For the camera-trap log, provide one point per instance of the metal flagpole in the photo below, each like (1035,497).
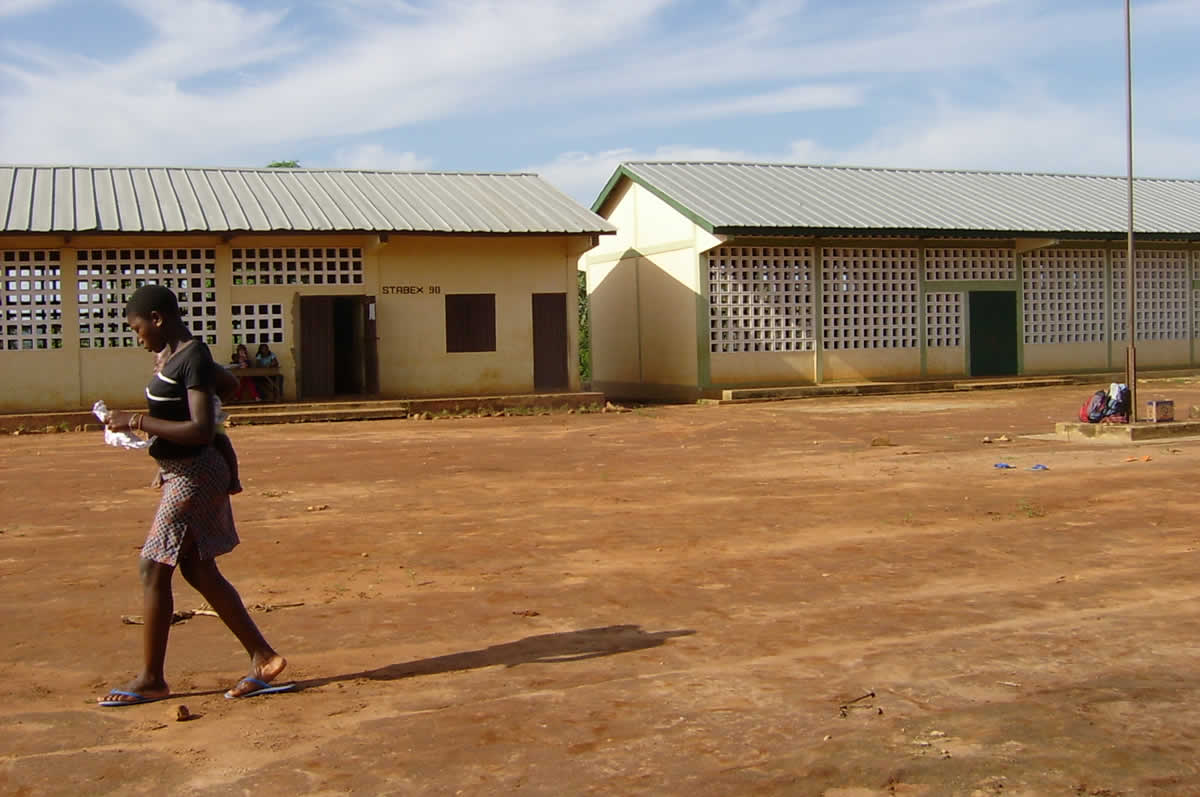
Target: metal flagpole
(1130,281)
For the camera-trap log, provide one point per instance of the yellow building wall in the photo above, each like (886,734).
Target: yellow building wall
(49,376)
(39,378)
(1154,353)
(643,322)
(850,365)
(285,295)
(649,331)
(613,307)
(622,213)
(667,301)
(946,361)
(1067,357)
(763,368)
(658,222)
(643,287)
(411,329)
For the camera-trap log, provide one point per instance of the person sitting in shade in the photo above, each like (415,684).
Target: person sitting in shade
(265,358)
(247,389)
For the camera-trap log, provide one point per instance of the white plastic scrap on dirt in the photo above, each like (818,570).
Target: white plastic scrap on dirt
(118,439)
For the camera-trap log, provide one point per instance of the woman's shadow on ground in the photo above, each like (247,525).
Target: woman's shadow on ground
(587,643)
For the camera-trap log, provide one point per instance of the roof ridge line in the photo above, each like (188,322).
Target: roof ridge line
(907,169)
(271,169)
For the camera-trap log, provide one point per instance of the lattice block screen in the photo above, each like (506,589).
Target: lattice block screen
(943,319)
(298,266)
(1162,288)
(257,323)
(108,277)
(1063,296)
(870,298)
(31,299)
(1196,313)
(970,264)
(760,299)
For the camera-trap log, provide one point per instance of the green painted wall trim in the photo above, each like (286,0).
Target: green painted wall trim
(939,232)
(966,333)
(1019,266)
(645,251)
(922,340)
(950,286)
(612,183)
(1108,303)
(1191,320)
(818,315)
(637,300)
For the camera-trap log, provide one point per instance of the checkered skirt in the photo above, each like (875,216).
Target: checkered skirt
(195,501)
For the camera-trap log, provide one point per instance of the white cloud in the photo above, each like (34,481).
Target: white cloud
(1041,135)
(226,82)
(140,108)
(377,156)
(583,174)
(789,100)
(944,7)
(11,8)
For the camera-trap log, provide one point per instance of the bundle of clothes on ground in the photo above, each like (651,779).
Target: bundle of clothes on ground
(1107,406)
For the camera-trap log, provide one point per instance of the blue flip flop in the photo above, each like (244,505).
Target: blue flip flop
(1003,466)
(1039,467)
(264,689)
(137,699)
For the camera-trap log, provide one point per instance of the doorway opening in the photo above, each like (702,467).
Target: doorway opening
(550,342)
(993,341)
(338,347)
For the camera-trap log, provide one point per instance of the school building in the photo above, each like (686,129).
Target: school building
(735,275)
(392,284)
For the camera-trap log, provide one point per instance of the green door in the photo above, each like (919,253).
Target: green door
(993,339)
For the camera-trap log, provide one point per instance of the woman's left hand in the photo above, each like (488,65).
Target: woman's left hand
(118,421)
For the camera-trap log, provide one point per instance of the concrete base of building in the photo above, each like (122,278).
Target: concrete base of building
(751,394)
(646,391)
(357,409)
(1125,432)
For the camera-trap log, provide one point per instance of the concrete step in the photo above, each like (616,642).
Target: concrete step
(1125,432)
(348,410)
(247,414)
(304,406)
(891,388)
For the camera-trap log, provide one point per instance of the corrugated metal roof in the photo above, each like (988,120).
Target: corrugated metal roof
(763,197)
(73,199)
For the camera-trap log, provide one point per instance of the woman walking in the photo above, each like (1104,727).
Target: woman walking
(194,522)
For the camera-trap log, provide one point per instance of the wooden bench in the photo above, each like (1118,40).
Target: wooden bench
(272,379)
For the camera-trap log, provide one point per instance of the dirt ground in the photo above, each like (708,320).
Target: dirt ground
(676,600)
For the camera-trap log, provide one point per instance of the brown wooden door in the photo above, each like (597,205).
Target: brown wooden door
(316,347)
(550,341)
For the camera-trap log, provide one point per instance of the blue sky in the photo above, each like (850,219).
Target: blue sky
(569,88)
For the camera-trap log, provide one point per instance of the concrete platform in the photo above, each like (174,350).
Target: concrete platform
(1125,432)
(355,409)
(744,395)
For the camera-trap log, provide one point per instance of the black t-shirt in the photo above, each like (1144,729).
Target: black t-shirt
(190,368)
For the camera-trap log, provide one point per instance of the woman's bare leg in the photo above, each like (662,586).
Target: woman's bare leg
(206,578)
(158,607)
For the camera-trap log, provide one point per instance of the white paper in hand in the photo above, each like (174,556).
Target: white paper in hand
(118,439)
